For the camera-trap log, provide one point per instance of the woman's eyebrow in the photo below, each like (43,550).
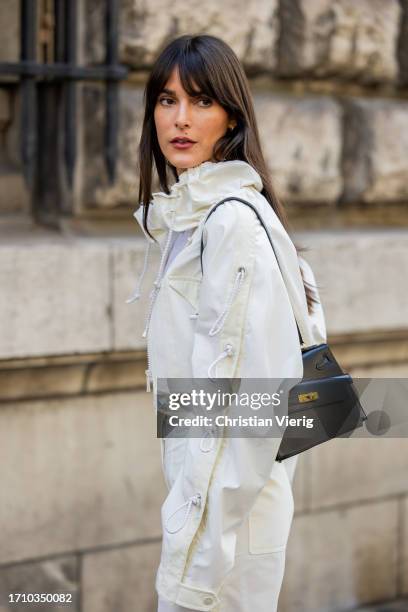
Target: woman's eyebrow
(171,92)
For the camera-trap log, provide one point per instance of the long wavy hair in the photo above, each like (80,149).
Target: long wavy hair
(208,65)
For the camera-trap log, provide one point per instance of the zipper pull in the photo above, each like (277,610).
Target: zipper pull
(148,380)
(219,323)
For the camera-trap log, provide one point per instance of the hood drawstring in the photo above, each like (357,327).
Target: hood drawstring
(157,282)
(136,293)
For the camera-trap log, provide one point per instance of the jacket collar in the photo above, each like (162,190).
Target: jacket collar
(196,190)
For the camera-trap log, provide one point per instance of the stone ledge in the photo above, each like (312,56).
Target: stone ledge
(400,605)
(58,577)
(66,294)
(364,355)
(71,375)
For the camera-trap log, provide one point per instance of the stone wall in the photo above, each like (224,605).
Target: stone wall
(81,473)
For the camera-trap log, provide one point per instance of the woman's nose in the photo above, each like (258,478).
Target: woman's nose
(183,119)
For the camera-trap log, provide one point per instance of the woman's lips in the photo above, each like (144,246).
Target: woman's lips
(178,144)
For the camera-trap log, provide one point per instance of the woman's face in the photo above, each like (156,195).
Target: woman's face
(199,119)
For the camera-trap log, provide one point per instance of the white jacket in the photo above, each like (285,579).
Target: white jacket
(235,321)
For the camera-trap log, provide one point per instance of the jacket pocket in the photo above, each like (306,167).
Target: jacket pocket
(188,287)
(271,516)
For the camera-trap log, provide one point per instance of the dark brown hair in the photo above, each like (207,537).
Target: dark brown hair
(207,65)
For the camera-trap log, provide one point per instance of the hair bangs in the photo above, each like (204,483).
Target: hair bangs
(195,75)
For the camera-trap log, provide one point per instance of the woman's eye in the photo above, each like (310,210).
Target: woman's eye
(205,101)
(166,101)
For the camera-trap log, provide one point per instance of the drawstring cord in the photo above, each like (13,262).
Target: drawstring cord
(194,499)
(227,352)
(236,287)
(136,294)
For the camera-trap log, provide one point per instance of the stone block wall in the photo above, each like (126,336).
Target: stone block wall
(81,473)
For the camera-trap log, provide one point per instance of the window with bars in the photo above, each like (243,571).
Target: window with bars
(48,72)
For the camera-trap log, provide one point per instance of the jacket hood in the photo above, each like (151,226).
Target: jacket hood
(193,194)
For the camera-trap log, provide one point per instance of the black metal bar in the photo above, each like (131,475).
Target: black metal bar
(112,35)
(28,23)
(112,90)
(28,137)
(59,32)
(70,90)
(62,71)
(111,129)
(48,193)
(50,196)
(70,31)
(28,19)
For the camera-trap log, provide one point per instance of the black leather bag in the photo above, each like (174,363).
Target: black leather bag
(325,394)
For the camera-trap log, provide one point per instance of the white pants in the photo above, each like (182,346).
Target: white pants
(255,581)
(253,585)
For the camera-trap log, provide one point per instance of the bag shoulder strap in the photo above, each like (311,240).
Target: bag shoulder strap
(263,225)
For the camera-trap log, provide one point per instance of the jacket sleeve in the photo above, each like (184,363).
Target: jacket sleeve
(228,267)
(222,347)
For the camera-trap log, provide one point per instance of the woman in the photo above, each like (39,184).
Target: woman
(228,512)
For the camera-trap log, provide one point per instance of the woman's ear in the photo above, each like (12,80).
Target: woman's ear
(232,124)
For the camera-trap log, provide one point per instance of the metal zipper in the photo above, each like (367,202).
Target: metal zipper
(148,374)
(219,323)
(153,296)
